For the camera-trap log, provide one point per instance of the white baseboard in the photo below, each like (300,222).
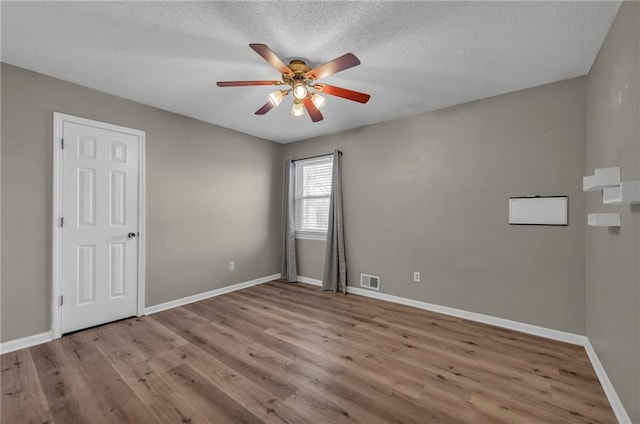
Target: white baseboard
(308,280)
(25,342)
(609,390)
(535,330)
(473,316)
(206,295)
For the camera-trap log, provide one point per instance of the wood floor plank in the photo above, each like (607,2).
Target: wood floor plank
(146,336)
(250,368)
(241,389)
(134,369)
(182,320)
(172,406)
(292,353)
(464,328)
(66,391)
(309,404)
(110,395)
(23,398)
(207,397)
(316,373)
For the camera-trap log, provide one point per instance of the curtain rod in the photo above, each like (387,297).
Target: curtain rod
(316,156)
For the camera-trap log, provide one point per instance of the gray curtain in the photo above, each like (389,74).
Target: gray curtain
(288,269)
(334,276)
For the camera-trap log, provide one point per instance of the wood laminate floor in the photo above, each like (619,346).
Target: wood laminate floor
(290,353)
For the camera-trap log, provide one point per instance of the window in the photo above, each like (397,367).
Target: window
(312,193)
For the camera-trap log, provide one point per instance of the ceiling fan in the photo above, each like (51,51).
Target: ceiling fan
(302,83)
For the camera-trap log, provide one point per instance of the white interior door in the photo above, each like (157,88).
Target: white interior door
(100,173)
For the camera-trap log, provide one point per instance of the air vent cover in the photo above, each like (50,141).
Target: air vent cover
(370,281)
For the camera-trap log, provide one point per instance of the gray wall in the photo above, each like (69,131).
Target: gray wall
(429,193)
(613,256)
(213,195)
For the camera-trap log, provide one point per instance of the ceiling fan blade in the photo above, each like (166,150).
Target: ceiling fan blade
(246,83)
(314,113)
(342,92)
(264,109)
(341,63)
(268,55)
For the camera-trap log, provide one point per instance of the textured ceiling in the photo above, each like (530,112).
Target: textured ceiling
(416,56)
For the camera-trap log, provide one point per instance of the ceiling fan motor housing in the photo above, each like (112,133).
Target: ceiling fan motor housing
(299,69)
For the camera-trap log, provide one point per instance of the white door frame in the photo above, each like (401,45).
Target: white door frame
(56,266)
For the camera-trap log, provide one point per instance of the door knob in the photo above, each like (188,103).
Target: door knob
(131,235)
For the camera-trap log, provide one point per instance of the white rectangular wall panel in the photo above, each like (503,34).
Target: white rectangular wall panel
(539,210)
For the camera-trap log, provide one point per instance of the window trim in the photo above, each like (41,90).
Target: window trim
(310,234)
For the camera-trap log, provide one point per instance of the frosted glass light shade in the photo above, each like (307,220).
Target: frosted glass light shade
(297,109)
(318,100)
(275,98)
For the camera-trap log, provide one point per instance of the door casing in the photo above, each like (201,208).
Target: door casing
(56,261)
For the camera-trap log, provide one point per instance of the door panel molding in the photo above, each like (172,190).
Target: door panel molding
(59,119)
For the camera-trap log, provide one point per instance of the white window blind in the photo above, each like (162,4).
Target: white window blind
(312,193)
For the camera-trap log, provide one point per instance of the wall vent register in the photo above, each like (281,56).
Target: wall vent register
(370,281)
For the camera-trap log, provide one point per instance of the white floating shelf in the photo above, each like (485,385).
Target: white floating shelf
(602,177)
(626,193)
(603,219)
(589,183)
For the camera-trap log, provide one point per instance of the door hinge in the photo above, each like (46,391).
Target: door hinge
(62,143)
(61,221)
(61,300)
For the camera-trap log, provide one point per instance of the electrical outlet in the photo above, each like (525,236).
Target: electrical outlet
(232,266)
(416,277)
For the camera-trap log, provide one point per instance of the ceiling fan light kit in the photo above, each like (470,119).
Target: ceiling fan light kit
(318,100)
(300,90)
(276,97)
(302,79)
(297,109)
